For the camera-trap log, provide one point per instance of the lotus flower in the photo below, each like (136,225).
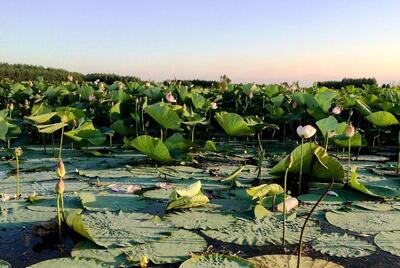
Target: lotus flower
(92,97)
(306,132)
(337,110)
(214,105)
(350,130)
(170,98)
(250,94)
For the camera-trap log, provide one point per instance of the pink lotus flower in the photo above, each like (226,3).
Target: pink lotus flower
(337,110)
(170,98)
(306,132)
(92,97)
(214,105)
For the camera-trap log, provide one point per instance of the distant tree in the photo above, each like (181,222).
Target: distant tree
(357,82)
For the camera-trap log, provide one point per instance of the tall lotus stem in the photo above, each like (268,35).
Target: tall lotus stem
(64,119)
(289,162)
(18,153)
(307,219)
(350,131)
(301,165)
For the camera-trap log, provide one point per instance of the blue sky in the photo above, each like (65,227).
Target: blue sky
(261,41)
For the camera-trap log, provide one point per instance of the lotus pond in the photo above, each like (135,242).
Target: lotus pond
(170,175)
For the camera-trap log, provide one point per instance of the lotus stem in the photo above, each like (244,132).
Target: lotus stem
(308,218)
(326,141)
(8,143)
(110,140)
(61,143)
(17,183)
(161,134)
(52,144)
(59,214)
(192,134)
(301,165)
(348,162)
(284,206)
(44,144)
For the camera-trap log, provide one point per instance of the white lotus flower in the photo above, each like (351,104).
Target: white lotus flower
(306,132)
(337,110)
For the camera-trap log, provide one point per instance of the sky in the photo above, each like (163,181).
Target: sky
(263,41)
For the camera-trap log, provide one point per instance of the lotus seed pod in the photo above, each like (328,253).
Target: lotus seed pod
(350,130)
(18,151)
(289,161)
(60,187)
(60,170)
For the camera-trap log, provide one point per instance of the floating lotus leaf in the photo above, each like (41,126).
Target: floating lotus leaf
(190,190)
(70,263)
(233,124)
(152,147)
(16,217)
(389,241)
(175,248)
(4,264)
(374,205)
(158,194)
(49,204)
(216,261)
(109,229)
(382,119)
(112,256)
(231,204)
(369,222)
(200,220)
(290,261)
(164,115)
(263,232)
(187,202)
(112,202)
(342,245)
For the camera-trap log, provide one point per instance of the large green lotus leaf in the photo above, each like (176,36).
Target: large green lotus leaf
(308,155)
(327,125)
(188,201)
(50,128)
(342,245)
(121,128)
(109,229)
(176,142)
(112,256)
(233,124)
(112,202)
(363,108)
(263,232)
(152,147)
(17,217)
(40,119)
(87,132)
(363,221)
(216,261)
(372,190)
(3,129)
(389,241)
(382,119)
(373,205)
(324,99)
(200,220)
(356,141)
(175,248)
(70,263)
(326,167)
(198,100)
(164,115)
(4,264)
(290,261)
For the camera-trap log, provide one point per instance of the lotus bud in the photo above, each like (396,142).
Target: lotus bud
(306,132)
(10,106)
(289,161)
(214,105)
(337,110)
(170,98)
(18,151)
(144,261)
(250,94)
(290,203)
(30,83)
(60,187)
(350,130)
(60,170)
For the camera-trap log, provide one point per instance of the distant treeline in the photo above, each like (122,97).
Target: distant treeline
(25,72)
(357,82)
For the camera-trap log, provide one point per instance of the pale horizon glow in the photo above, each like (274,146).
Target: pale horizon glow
(263,41)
